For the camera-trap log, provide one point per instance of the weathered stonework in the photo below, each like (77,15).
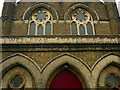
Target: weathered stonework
(60,40)
(40,57)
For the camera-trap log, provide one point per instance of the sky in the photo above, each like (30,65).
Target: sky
(1,5)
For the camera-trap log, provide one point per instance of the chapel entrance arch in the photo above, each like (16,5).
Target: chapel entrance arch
(66,77)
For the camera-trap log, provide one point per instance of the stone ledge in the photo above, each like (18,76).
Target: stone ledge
(60,40)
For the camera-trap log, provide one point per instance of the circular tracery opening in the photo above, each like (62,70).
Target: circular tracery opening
(80,15)
(16,81)
(41,16)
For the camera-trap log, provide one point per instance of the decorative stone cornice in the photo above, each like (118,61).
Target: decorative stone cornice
(60,40)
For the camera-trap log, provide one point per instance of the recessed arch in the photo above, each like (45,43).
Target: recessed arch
(104,61)
(72,78)
(24,61)
(60,60)
(106,72)
(40,5)
(79,5)
(17,70)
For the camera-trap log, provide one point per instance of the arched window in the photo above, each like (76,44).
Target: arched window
(40,22)
(113,81)
(81,23)
(16,81)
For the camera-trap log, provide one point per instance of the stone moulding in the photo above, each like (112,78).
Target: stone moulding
(59,40)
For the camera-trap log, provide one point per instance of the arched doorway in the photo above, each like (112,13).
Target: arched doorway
(66,79)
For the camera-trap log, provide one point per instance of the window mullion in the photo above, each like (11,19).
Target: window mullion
(86,33)
(29,28)
(43,28)
(78,31)
(36,28)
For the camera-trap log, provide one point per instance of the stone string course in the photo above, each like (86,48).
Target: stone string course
(59,40)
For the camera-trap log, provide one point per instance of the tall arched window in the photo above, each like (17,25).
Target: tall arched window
(16,81)
(40,22)
(81,23)
(113,81)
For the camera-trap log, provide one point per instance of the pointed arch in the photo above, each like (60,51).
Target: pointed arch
(73,61)
(111,69)
(102,57)
(24,61)
(103,62)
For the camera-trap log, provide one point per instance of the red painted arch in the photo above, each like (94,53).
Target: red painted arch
(66,79)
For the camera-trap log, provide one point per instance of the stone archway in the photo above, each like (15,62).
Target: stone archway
(101,64)
(24,61)
(74,63)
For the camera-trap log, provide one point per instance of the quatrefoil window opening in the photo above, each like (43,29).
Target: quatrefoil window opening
(113,81)
(81,23)
(16,81)
(40,23)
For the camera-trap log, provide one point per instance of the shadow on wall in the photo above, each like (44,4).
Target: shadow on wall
(119,7)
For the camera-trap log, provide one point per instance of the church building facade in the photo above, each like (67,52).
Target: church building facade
(60,45)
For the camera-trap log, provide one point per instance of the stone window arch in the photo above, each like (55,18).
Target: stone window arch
(40,22)
(81,22)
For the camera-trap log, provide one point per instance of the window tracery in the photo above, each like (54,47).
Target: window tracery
(40,23)
(113,81)
(81,23)
(16,81)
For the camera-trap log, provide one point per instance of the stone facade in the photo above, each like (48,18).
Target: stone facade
(38,58)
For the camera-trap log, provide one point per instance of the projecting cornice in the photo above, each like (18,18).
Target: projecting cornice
(60,40)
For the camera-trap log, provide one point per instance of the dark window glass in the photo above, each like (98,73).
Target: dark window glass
(9,87)
(80,16)
(112,79)
(82,30)
(108,86)
(74,28)
(40,30)
(16,81)
(32,28)
(48,29)
(40,16)
(115,89)
(89,29)
(119,86)
(23,88)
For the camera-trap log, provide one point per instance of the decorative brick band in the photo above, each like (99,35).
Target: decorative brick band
(59,40)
